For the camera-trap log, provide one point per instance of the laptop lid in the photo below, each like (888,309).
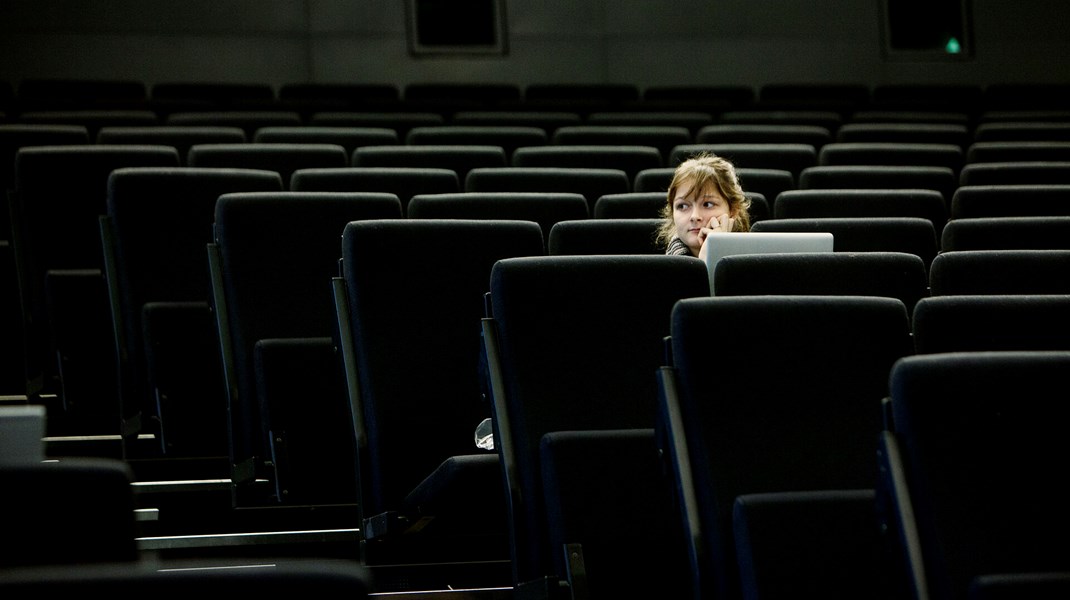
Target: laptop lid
(763,242)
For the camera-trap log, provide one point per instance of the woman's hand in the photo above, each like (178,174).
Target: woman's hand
(722,224)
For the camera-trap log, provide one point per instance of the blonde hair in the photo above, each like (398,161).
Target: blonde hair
(705,171)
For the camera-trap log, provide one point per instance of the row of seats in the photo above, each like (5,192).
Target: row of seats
(663,129)
(42,93)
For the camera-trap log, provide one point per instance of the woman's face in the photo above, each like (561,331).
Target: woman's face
(693,209)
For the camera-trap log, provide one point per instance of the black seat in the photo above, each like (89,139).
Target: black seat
(1016,173)
(863,203)
(628,158)
(966,463)
(248,120)
(1000,272)
(349,138)
(592,183)
(963,323)
(459,158)
(605,236)
(783,156)
(283,158)
(662,137)
(427,492)
(758,133)
(170,376)
(885,274)
(884,177)
(60,193)
(181,137)
(912,235)
(800,413)
(271,263)
(1010,233)
(509,137)
(971,201)
(558,370)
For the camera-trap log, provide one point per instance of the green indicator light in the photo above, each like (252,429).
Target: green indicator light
(953,46)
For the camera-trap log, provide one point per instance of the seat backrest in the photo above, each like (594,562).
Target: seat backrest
(283,158)
(1022,131)
(803,417)
(277,254)
(591,183)
(757,133)
(459,158)
(630,159)
(887,177)
(59,194)
(605,236)
(863,203)
(1007,233)
(69,512)
(887,274)
(956,134)
(1018,151)
(912,235)
(756,115)
(547,120)
(1016,173)
(399,121)
(972,201)
(965,323)
(572,345)
(1000,272)
(973,442)
(892,153)
(544,208)
(248,120)
(662,137)
(144,206)
(419,304)
(783,156)
(692,120)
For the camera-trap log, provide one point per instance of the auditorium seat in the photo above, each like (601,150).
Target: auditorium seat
(584,98)
(841,98)
(662,137)
(544,208)
(801,412)
(283,158)
(1000,272)
(50,93)
(349,138)
(927,96)
(826,119)
(591,183)
(1016,173)
(604,236)
(404,182)
(1022,131)
(863,203)
(557,367)
(60,193)
(1027,151)
(910,133)
(898,275)
(169,97)
(1005,232)
(971,201)
(428,494)
(910,116)
(271,264)
(14,136)
(913,235)
(885,177)
(758,133)
(892,153)
(965,323)
(169,373)
(630,205)
(458,158)
(698,97)
(785,157)
(966,465)
(629,158)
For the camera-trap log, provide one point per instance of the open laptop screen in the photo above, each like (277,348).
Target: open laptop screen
(763,242)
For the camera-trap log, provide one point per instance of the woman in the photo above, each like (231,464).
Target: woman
(704,197)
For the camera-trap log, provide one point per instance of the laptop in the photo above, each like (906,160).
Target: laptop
(763,242)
